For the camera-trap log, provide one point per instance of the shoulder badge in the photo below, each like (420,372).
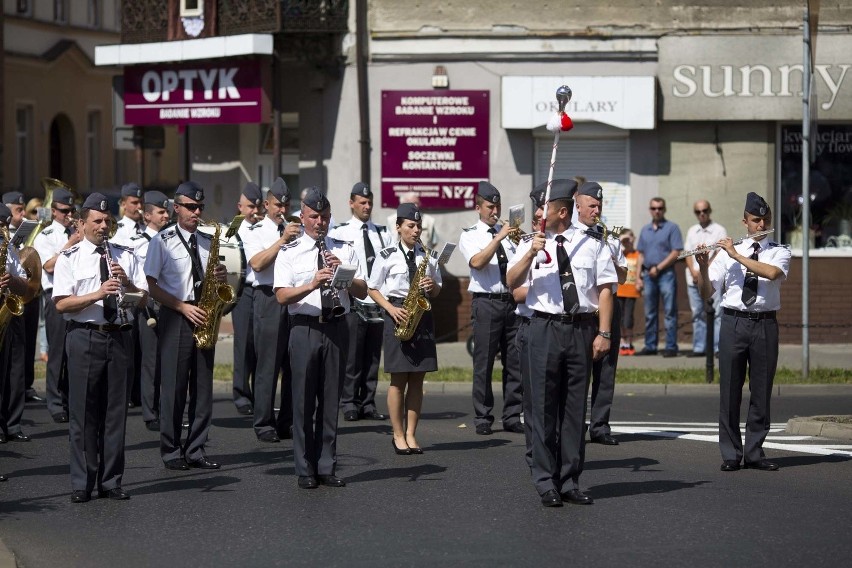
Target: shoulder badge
(255,226)
(289,245)
(120,224)
(340,242)
(341,224)
(121,247)
(70,251)
(47,231)
(466,229)
(386,252)
(774,244)
(166,235)
(137,237)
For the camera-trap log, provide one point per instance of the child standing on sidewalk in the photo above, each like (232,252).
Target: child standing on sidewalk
(628,292)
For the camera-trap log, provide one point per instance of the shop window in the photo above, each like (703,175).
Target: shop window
(24,147)
(60,11)
(23,8)
(93,13)
(191,8)
(830,187)
(93,148)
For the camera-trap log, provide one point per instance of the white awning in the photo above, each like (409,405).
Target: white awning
(184,50)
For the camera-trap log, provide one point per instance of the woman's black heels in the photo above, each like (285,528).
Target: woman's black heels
(402,451)
(416,450)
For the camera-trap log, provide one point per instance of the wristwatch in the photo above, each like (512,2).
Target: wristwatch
(605,334)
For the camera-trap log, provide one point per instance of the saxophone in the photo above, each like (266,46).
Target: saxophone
(215,296)
(415,302)
(12,304)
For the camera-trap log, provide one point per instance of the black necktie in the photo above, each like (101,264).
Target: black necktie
(570,299)
(110,303)
(281,230)
(750,283)
(369,251)
(69,230)
(412,266)
(502,259)
(326,300)
(196,267)
(138,230)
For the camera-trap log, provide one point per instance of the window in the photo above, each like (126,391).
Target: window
(830,190)
(93,13)
(23,7)
(60,11)
(24,146)
(93,149)
(191,8)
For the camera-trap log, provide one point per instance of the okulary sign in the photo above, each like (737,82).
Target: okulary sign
(225,93)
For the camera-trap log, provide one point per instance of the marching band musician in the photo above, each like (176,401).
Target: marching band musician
(88,281)
(567,290)
(406,361)
(488,251)
(156,215)
(60,235)
(270,327)
(21,333)
(176,267)
(364,321)
(750,276)
(11,385)
(133,222)
(242,316)
(318,339)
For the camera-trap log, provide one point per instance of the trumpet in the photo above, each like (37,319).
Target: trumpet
(337,310)
(515,232)
(708,248)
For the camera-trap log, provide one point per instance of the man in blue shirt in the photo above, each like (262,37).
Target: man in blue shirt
(660,243)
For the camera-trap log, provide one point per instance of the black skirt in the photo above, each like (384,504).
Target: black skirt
(418,354)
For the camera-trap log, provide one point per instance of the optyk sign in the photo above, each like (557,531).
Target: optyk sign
(225,92)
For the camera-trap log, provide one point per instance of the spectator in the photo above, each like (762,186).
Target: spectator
(660,243)
(628,292)
(705,232)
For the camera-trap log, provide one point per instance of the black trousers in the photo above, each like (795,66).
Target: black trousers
(97,402)
(32,313)
(13,386)
(522,342)
(149,364)
(362,364)
(560,359)
(245,357)
(494,327)
(56,389)
(318,364)
(745,346)
(184,368)
(269,326)
(603,380)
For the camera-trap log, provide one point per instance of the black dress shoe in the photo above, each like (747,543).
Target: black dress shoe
(80,496)
(669,353)
(577,497)
(374,415)
(60,417)
(551,499)
(400,451)
(203,463)
(153,425)
(730,465)
(698,354)
(2,438)
(118,494)
(605,439)
(763,465)
(484,430)
(515,428)
(285,434)
(33,397)
(645,353)
(331,481)
(269,436)
(131,404)
(350,415)
(177,464)
(245,410)
(19,437)
(308,482)
(3,478)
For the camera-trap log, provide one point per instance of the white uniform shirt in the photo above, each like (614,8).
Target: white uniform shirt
(127,229)
(296,265)
(390,273)
(139,243)
(242,233)
(48,243)
(696,235)
(257,238)
(168,261)
(616,251)
(730,275)
(591,265)
(13,262)
(471,242)
(78,272)
(352,231)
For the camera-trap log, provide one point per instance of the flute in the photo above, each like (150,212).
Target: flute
(708,248)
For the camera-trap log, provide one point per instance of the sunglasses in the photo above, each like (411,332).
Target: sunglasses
(63,211)
(700,211)
(656,208)
(193,207)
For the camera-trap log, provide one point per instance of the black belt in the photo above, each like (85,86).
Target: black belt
(750,315)
(506,297)
(101,326)
(395,300)
(566,318)
(302,318)
(267,287)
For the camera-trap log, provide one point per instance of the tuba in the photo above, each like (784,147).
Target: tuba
(12,304)
(215,296)
(415,302)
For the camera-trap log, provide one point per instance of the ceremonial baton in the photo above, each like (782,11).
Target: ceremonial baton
(557,124)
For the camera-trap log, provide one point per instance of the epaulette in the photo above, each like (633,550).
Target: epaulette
(289,245)
(339,242)
(528,237)
(386,252)
(70,251)
(774,244)
(469,228)
(205,235)
(137,237)
(166,235)
(120,224)
(47,231)
(594,234)
(167,227)
(341,225)
(257,225)
(121,247)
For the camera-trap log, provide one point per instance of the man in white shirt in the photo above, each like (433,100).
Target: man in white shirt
(132,223)
(705,231)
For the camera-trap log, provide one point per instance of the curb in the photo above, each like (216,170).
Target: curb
(7,559)
(811,426)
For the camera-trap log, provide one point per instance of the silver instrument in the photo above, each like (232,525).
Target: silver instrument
(708,248)
(122,312)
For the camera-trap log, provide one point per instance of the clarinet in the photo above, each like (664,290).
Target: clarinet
(122,312)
